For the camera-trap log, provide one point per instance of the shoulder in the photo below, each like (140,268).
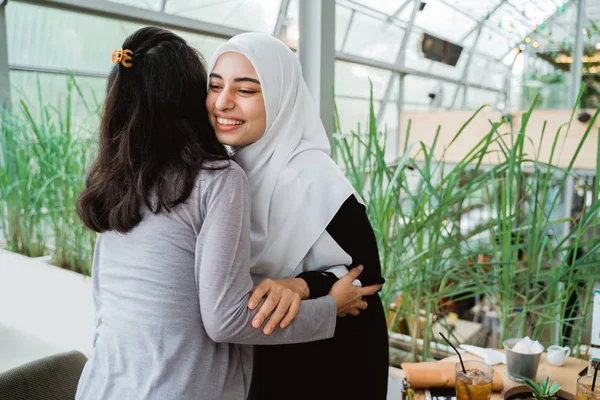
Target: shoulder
(221,173)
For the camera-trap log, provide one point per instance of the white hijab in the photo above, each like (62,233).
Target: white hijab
(296,188)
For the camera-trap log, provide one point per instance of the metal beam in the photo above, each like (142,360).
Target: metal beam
(400,9)
(465,73)
(408,71)
(138,15)
(56,71)
(399,62)
(316,50)
(577,65)
(476,27)
(466,14)
(353,5)
(347,33)
(507,82)
(283,9)
(400,111)
(4,72)
(399,59)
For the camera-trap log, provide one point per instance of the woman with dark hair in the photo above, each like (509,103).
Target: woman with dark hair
(171,276)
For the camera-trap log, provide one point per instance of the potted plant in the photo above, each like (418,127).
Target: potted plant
(537,391)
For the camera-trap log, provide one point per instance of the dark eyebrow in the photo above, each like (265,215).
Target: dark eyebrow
(241,79)
(247,79)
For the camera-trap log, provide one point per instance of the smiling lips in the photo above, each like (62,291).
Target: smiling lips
(226,124)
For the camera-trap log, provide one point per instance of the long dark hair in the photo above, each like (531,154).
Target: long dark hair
(155,135)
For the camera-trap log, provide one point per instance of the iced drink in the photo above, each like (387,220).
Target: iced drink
(476,383)
(584,388)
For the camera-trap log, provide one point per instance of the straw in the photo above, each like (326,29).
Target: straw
(595,376)
(460,358)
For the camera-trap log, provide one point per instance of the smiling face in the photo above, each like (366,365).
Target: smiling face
(235,103)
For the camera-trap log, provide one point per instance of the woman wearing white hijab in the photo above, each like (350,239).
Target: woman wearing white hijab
(307,225)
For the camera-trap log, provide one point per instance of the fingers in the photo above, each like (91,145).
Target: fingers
(354,273)
(266,309)
(258,292)
(280,312)
(362,305)
(354,312)
(292,312)
(370,290)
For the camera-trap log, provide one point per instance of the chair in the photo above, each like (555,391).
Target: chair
(50,378)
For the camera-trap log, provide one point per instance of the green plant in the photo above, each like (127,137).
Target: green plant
(433,222)
(46,152)
(542,390)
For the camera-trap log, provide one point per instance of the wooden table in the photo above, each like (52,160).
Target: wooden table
(566,375)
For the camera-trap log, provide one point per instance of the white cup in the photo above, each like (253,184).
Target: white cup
(557,355)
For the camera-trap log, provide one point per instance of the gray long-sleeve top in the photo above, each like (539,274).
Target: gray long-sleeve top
(171,302)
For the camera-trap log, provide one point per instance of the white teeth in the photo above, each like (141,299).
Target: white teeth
(229,121)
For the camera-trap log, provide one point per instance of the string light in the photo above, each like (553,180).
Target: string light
(510,28)
(535,45)
(527,39)
(598,46)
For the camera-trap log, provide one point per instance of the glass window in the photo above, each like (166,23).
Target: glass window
(53,89)
(493,44)
(477,70)
(353,80)
(46,37)
(385,6)
(354,114)
(374,39)
(495,75)
(477,8)
(511,20)
(253,15)
(389,121)
(343,16)
(441,20)
(388,125)
(478,97)
(433,94)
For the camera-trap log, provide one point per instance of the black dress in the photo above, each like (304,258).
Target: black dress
(354,363)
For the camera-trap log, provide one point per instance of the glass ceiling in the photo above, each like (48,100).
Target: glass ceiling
(505,22)
(374,40)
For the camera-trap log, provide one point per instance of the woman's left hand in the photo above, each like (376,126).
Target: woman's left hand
(282,302)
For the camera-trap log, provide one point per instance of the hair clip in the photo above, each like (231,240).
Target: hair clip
(123,56)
